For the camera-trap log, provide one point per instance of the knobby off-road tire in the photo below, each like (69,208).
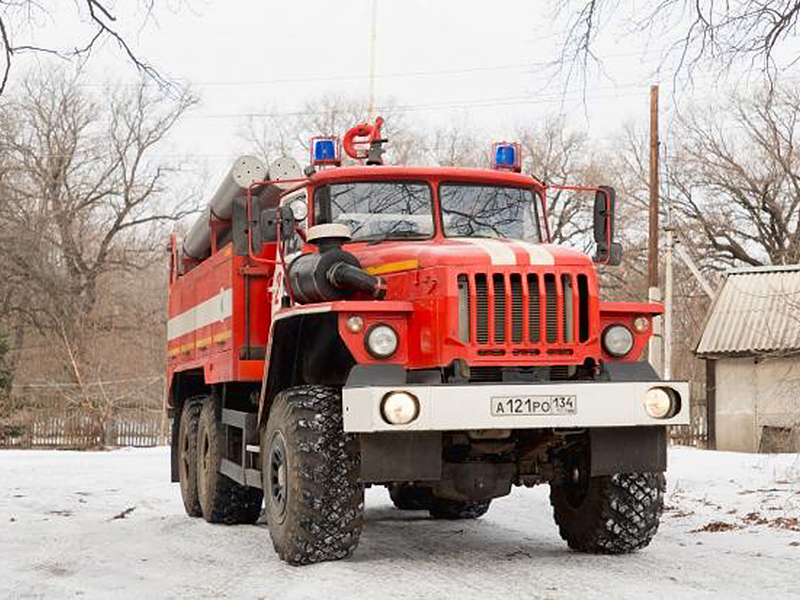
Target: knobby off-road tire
(443,508)
(612,514)
(187,456)
(222,500)
(409,497)
(310,471)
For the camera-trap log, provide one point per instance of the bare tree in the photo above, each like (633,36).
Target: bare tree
(19,18)
(735,178)
(84,197)
(5,371)
(559,156)
(457,145)
(693,31)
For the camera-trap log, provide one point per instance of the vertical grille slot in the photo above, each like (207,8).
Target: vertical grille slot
(463,308)
(516,308)
(482,308)
(583,308)
(551,307)
(496,308)
(569,308)
(499,289)
(534,309)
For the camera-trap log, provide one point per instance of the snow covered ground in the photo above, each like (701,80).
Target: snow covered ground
(731,530)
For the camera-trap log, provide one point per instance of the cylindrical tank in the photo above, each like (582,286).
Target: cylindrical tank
(246,171)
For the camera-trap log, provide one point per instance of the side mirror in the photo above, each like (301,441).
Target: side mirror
(608,252)
(271,219)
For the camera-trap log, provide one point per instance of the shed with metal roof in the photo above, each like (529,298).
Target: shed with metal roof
(751,344)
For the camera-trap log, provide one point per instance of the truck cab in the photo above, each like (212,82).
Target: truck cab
(418,330)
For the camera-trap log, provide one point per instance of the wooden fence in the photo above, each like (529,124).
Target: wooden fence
(132,415)
(119,414)
(694,434)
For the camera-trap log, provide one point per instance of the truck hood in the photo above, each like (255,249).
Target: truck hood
(466,251)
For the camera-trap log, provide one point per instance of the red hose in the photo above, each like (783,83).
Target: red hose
(362,130)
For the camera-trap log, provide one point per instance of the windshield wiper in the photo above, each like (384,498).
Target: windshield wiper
(393,235)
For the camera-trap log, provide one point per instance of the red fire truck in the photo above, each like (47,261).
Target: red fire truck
(349,326)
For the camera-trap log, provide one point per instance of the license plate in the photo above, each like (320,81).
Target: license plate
(504,406)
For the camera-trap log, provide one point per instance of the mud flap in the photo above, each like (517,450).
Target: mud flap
(401,456)
(628,450)
(174,454)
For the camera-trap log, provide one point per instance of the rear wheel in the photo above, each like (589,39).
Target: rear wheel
(187,456)
(612,514)
(310,472)
(409,497)
(222,500)
(443,508)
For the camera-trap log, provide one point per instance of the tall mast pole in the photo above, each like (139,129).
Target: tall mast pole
(372,50)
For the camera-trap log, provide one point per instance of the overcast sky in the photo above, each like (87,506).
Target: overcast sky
(448,61)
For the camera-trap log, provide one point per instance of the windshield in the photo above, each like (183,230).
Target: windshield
(489,211)
(377,210)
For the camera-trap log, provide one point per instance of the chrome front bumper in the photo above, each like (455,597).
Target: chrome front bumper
(460,407)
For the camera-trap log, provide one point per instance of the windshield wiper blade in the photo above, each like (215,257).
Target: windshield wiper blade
(394,235)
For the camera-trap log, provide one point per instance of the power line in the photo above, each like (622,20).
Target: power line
(529,65)
(552,98)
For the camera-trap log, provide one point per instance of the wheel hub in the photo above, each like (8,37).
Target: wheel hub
(202,472)
(277,473)
(185,457)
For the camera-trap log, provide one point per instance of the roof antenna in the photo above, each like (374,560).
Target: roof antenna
(372,50)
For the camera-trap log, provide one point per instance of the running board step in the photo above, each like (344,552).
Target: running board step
(249,477)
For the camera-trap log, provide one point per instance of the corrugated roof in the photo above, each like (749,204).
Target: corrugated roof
(756,311)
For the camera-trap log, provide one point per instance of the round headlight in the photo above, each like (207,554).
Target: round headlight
(399,408)
(381,341)
(659,403)
(617,340)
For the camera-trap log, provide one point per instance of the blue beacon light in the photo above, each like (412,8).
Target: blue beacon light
(326,151)
(506,156)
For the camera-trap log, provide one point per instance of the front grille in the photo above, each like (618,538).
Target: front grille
(498,309)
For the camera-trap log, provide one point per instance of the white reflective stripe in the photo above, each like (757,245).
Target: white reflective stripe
(537,254)
(500,252)
(210,311)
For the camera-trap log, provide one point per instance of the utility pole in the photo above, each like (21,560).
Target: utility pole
(668,301)
(655,351)
(668,280)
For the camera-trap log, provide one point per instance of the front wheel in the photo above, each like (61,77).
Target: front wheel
(612,514)
(310,474)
